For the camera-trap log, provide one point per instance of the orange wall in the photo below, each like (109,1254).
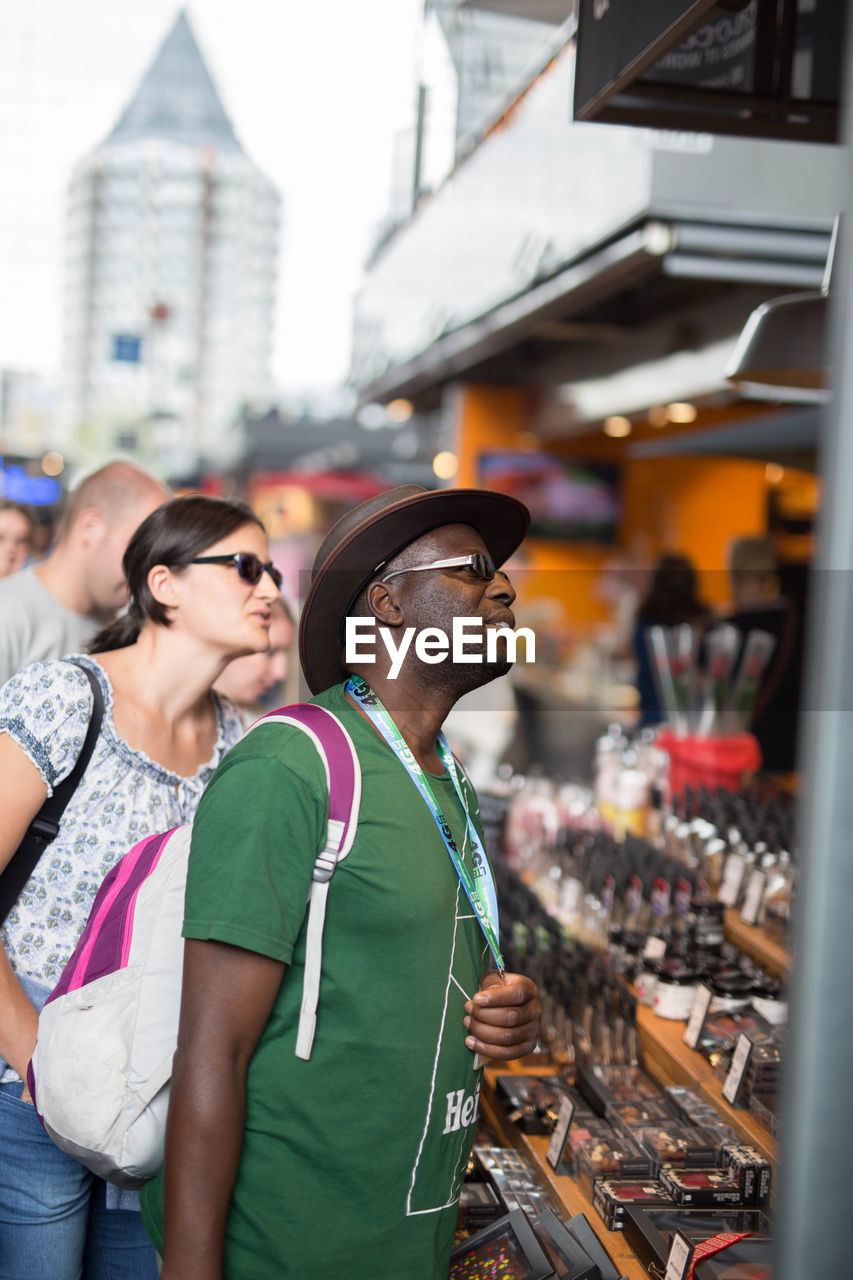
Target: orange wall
(694,506)
(690,505)
(495,417)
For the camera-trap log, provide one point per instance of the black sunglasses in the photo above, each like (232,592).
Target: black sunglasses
(250,567)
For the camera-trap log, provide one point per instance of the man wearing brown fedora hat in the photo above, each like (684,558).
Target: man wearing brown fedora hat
(348,1161)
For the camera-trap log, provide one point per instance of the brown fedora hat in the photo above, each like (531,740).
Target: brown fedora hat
(369,535)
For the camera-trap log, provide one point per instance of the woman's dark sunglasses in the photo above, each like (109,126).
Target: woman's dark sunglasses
(250,567)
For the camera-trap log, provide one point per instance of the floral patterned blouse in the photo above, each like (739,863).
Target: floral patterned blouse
(123,796)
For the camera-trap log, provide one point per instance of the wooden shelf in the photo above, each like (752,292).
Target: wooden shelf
(566,1192)
(755,942)
(669,1061)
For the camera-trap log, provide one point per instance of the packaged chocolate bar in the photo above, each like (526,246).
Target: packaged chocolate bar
(648,1230)
(674,1143)
(568,1258)
(721,1031)
(629,1116)
(611,1196)
(741,1169)
(755,1174)
(507,1247)
(615,1156)
(700,1187)
(686,1103)
(582,1134)
(608,1085)
(719,1133)
(479,1204)
(586,1237)
(531,1102)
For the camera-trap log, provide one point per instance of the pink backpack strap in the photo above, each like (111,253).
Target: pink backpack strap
(337,752)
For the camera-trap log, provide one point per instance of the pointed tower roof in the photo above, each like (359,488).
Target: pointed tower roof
(177,99)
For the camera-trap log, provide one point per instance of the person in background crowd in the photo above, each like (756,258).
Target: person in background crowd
(16,537)
(671,599)
(347,1160)
(55,607)
(43,534)
(757,605)
(201,593)
(247,681)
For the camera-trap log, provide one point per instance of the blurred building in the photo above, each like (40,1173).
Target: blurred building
(569,299)
(313,449)
(26,412)
(490,54)
(469,64)
(171,258)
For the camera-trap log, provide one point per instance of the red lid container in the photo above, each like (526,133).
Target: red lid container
(709,762)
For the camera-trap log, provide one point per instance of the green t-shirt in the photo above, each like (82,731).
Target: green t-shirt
(352,1161)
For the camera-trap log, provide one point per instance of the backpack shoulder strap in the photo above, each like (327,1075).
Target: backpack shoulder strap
(45,825)
(337,752)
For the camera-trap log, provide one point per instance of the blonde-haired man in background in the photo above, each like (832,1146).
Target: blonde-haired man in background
(55,607)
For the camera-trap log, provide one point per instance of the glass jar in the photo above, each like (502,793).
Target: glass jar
(675,992)
(768,999)
(731,989)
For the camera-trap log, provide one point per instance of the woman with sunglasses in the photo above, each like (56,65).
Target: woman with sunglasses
(201,593)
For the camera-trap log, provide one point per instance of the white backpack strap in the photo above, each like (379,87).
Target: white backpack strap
(337,751)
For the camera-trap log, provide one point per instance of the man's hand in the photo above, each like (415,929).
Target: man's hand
(504,1019)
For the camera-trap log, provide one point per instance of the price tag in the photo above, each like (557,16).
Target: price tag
(733,874)
(655,948)
(557,1145)
(740,1062)
(698,1014)
(754,897)
(680,1257)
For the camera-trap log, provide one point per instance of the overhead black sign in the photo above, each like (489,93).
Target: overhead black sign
(619,39)
(760,68)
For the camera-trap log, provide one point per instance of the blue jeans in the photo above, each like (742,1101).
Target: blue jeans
(54,1224)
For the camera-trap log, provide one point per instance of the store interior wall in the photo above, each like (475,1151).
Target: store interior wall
(670,504)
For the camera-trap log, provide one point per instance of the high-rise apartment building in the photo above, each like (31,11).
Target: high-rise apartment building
(171,261)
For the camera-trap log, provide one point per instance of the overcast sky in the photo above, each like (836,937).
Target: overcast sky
(315,89)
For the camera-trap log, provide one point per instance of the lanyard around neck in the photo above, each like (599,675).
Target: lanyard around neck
(479,888)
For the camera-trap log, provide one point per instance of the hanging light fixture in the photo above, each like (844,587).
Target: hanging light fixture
(781,353)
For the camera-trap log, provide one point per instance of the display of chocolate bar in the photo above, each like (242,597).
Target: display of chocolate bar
(507,1247)
(585,1133)
(687,1103)
(767,1116)
(721,1031)
(611,1196)
(649,1230)
(479,1204)
(604,1153)
(674,1143)
(605,1086)
(589,1241)
(629,1116)
(568,1258)
(755,1174)
(700,1187)
(532,1102)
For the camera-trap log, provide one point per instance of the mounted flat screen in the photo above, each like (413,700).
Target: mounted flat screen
(758,68)
(571,501)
